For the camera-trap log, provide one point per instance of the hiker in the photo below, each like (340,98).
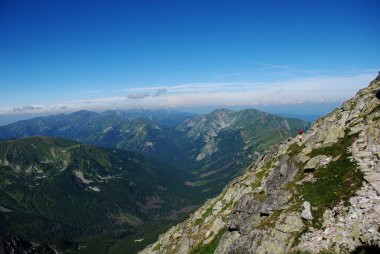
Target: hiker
(378,94)
(300,131)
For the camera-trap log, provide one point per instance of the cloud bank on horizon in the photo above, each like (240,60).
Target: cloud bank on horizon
(310,90)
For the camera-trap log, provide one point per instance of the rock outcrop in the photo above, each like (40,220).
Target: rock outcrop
(306,212)
(321,194)
(17,245)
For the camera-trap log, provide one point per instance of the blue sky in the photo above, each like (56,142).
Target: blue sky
(62,56)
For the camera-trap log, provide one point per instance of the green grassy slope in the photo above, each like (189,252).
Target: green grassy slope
(61,191)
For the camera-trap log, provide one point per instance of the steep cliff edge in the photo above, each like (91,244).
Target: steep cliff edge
(319,194)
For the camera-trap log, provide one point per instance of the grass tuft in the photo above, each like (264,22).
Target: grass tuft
(157,247)
(210,247)
(294,149)
(205,215)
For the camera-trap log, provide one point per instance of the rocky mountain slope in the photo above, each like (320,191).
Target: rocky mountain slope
(55,191)
(321,194)
(16,245)
(214,147)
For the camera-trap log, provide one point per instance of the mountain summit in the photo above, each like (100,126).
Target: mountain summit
(321,194)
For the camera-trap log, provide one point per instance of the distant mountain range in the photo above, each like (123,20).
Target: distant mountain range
(55,190)
(215,146)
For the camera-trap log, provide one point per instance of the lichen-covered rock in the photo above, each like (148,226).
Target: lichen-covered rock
(307,150)
(226,241)
(306,212)
(293,223)
(301,158)
(316,162)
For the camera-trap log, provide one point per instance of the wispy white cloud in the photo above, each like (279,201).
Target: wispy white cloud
(287,69)
(137,96)
(208,87)
(318,89)
(160,92)
(28,108)
(141,93)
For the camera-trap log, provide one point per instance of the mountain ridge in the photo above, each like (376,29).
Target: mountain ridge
(217,144)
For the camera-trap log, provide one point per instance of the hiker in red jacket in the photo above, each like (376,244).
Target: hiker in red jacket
(300,131)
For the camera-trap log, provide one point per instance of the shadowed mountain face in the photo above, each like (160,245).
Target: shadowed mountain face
(214,147)
(53,189)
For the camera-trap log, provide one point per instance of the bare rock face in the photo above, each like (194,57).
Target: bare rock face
(263,210)
(282,174)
